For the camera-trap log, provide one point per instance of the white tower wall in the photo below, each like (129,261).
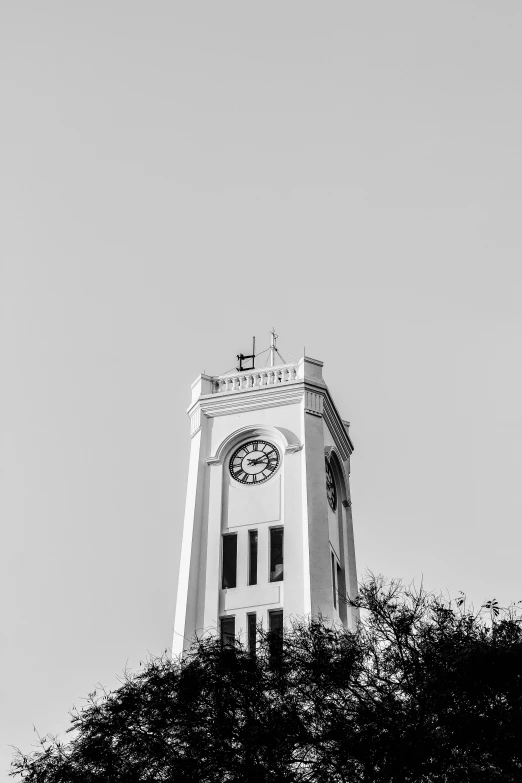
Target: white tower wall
(290,407)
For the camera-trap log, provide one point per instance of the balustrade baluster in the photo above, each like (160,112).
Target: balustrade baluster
(255,379)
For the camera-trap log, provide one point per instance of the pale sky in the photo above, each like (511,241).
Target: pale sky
(177,177)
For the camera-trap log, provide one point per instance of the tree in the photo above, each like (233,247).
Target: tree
(423,690)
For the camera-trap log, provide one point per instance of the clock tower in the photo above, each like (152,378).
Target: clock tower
(268,532)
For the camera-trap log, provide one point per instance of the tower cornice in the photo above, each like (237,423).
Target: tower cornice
(315,393)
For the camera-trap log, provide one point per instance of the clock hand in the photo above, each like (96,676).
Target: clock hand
(257,460)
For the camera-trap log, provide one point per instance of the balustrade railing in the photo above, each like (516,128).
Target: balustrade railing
(255,379)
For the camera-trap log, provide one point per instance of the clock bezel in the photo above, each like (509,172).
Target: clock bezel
(257,483)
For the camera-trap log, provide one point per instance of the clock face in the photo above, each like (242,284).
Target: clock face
(330,488)
(254,462)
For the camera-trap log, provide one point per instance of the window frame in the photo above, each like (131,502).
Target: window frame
(272,613)
(272,530)
(223,537)
(252,632)
(334,578)
(339,572)
(251,534)
(229,618)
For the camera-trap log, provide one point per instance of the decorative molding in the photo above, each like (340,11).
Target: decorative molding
(337,428)
(318,402)
(284,439)
(195,422)
(314,403)
(293,448)
(225,404)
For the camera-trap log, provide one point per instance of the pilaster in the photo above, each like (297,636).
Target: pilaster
(186,599)
(318,560)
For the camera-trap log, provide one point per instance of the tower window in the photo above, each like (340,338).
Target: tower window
(229,560)
(252,557)
(334,589)
(275,626)
(252,632)
(228,631)
(276,554)
(275,622)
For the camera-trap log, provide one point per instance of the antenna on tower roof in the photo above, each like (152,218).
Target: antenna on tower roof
(241,358)
(273,346)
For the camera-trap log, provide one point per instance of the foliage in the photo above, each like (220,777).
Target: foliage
(423,690)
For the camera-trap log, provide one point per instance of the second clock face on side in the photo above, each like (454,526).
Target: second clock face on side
(254,462)
(331,492)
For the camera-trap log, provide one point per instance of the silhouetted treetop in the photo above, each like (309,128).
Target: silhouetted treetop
(422,690)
